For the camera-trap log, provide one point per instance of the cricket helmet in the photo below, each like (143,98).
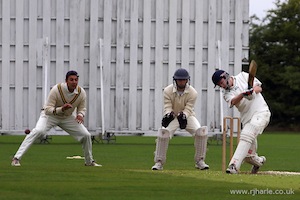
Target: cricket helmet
(218,75)
(181,74)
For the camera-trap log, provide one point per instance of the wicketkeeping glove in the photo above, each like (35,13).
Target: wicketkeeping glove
(182,120)
(167,119)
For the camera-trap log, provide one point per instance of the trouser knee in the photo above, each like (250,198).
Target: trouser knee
(163,133)
(36,133)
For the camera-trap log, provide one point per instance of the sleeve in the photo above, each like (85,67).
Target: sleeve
(190,104)
(256,82)
(81,108)
(245,77)
(51,104)
(167,101)
(228,96)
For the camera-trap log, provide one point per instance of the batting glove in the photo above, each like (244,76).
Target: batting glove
(249,94)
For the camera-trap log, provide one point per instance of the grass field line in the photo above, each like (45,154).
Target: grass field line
(280,173)
(270,178)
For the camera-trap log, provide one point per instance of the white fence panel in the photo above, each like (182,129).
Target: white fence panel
(144,42)
(5,70)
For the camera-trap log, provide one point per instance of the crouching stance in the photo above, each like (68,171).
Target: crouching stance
(179,101)
(66,108)
(255,117)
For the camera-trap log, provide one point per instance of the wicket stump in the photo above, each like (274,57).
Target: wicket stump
(225,129)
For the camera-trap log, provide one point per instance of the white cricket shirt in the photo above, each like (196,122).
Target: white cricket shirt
(247,108)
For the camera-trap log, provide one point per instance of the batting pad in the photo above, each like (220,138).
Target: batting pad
(248,136)
(253,149)
(254,160)
(162,143)
(200,143)
(160,154)
(240,153)
(249,133)
(163,133)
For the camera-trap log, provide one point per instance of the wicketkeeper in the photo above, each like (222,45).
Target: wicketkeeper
(179,101)
(254,113)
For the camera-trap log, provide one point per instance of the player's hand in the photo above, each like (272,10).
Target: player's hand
(79,119)
(182,120)
(249,94)
(167,119)
(66,107)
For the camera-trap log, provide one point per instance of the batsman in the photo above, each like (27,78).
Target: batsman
(179,101)
(244,92)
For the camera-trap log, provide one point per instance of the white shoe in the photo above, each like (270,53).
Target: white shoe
(201,165)
(231,169)
(15,162)
(157,166)
(93,164)
(255,168)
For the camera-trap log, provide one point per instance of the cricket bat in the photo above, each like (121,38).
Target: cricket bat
(252,73)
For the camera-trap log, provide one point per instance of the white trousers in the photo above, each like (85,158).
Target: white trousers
(68,124)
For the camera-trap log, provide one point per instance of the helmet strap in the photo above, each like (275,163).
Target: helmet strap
(187,85)
(227,82)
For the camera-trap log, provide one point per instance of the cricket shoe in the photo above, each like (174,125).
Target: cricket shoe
(157,166)
(93,164)
(255,168)
(15,162)
(201,165)
(231,169)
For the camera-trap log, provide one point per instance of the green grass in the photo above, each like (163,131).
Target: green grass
(47,174)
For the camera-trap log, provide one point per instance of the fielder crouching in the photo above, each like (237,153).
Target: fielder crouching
(65,107)
(255,116)
(179,101)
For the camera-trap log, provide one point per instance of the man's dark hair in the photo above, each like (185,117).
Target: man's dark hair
(70,73)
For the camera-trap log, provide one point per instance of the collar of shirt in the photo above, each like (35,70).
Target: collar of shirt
(186,90)
(233,84)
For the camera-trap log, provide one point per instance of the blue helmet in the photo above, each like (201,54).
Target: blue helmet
(181,74)
(218,75)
